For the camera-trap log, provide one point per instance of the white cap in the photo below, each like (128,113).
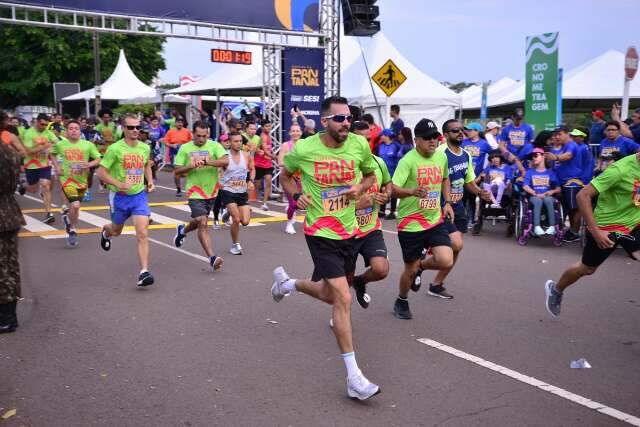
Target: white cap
(492,125)
(310,123)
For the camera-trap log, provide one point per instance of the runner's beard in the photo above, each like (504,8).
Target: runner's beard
(337,136)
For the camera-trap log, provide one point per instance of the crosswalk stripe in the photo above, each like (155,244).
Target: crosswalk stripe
(161,219)
(36,226)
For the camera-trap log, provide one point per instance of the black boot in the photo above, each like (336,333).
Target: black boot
(8,319)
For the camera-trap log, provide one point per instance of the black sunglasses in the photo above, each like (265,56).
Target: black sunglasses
(456,130)
(340,118)
(133,127)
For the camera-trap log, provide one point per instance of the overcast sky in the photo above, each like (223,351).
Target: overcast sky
(472,40)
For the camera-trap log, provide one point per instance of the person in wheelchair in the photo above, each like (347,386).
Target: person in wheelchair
(541,185)
(496,178)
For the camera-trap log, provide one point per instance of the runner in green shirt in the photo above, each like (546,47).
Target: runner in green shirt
(199,160)
(369,241)
(77,155)
(615,221)
(125,167)
(38,143)
(421,181)
(329,163)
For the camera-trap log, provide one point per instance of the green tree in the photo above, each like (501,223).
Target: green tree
(35,58)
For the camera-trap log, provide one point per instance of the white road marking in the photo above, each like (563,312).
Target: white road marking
(98,221)
(182,251)
(161,219)
(36,226)
(186,208)
(575,398)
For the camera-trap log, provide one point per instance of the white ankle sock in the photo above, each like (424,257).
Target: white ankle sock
(288,286)
(351,364)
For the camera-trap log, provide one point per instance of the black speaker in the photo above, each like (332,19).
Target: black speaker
(359,17)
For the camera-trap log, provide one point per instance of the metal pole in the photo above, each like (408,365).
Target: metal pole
(559,101)
(96,69)
(624,111)
(86,106)
(218,114)
(375,98)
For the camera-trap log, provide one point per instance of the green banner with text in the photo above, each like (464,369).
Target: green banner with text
(541,81)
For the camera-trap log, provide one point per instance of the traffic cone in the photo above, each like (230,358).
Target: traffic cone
(253,195)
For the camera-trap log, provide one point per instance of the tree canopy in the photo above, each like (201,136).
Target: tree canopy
(35,58)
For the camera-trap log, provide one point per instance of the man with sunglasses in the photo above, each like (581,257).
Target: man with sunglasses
(38,143)
(199,160)
(615,221)
(124,168)
(329,163)
(421,181)
(461,177)
(614,144)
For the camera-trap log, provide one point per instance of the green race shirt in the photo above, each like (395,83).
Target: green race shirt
(413,171)
(201,182)
(618,207)
(109,132)
(31,138)
(327,173)
(126,164)
(72,154)
(367,219)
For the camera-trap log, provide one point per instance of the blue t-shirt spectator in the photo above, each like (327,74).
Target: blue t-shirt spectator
(390,154)
(597,132)
(155,134)
(504,172)
(557,151)
(478,151)
(587,163)
(541,182)
(569,169)
(517,137)
(397,125)
(621,144)
(404,149)
(635,131)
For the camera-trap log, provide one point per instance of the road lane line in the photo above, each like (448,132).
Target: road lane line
(182,251)
(37,226)
(575,398)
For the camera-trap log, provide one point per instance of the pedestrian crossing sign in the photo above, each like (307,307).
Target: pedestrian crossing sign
(389,77)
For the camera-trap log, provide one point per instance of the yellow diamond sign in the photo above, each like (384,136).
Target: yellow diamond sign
(389,77)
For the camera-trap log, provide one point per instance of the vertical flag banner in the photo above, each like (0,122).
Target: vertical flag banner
(302,85)
(541,81)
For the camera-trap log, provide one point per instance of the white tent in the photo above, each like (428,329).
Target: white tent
(420,95)
(596,81)
(472,96)
(121,85)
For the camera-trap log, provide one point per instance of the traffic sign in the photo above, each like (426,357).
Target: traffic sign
(631,63)
(389,77)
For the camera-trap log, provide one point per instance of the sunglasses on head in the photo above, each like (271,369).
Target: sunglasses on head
(340,118)
(129,127)
(456,130)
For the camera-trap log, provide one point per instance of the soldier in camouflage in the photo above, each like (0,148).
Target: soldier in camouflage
(11,220)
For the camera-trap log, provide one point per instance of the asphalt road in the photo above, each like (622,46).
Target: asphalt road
(201,348)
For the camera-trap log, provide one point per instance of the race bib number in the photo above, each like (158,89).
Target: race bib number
(75,169)
(636,194)
(456,194)
(199,158)
(540,181)
(335,200)
(473,150)
(134,176)
(517,138)
(238,185)
(432,201)
(364,216)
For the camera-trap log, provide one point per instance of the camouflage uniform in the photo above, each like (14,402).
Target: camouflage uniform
(11,220)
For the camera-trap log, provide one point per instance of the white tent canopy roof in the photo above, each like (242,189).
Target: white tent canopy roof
(472,96)
(121,85)
(599,78)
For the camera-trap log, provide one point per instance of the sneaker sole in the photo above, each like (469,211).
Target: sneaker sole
(433,294)
(357,397)
(105,246)
(147,281)
(547,294)
(217,264)
(276,297)
(179,243)
(398,316)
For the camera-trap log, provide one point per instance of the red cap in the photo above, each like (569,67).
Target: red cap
(598,113)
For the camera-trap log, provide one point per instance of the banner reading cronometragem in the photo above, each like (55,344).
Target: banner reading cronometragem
(302,84)
(541,81)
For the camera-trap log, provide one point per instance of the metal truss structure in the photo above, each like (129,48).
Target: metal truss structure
(330,28)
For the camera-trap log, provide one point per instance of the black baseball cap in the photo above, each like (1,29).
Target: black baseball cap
(426,129)
(562,128)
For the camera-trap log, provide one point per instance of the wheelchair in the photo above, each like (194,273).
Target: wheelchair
(504,213)
(523,217)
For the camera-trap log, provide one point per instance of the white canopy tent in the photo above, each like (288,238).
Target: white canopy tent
(121,85)
(472,96)
(420,95)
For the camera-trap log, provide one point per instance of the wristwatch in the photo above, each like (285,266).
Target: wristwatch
(296,196)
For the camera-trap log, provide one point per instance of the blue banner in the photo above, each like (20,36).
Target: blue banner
(295,15)
(302,85)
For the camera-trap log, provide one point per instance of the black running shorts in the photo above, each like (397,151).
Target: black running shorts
(331,258)
(412,243)
(593,256)
(200,207)
(460,221)
(240,199)
(369,246)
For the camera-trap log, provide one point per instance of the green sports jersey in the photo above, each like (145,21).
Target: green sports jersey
(201,182)
(31,139)
(72,154)
(618,207)
(126,164)
(413,171)
(367,219)
(327,173)
(108,132)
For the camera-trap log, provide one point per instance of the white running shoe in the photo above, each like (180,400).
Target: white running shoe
(538,231)
(495,206)
(216,225)
(331,323)
(290,229)
(279,277)
(359,387)
(265,207)
(236,249)
(551,231)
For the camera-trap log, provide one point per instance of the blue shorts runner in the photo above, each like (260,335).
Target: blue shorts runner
(35,175)
(124,205)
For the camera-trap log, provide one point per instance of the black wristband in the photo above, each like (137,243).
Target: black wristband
(296,196)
